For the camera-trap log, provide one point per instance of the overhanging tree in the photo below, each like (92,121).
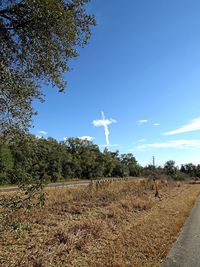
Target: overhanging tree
(37,40)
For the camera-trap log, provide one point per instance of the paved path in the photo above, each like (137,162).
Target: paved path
(14,189)
(77,183)
(186,251)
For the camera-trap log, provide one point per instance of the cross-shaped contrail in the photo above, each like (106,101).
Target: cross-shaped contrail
(104,122)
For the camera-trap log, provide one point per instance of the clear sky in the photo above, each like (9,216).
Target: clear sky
(142,69)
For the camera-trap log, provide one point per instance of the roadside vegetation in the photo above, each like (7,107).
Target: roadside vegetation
(111,223)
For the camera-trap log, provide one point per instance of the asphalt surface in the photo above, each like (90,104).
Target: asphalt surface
(15,189)
(81,182)
(186,250)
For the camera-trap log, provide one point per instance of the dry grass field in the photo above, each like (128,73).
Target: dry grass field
(110,224)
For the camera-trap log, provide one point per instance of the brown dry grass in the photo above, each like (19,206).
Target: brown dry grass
(113,224)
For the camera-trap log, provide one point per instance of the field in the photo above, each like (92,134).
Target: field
(113,224)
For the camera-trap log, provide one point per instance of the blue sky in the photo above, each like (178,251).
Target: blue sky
(140,68)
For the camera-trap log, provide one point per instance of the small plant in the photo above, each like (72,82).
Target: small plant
(17,227)
(179,176)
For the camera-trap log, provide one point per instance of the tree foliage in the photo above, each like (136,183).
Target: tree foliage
(191,169)
(170,167)
(37,40)
(6,162)
(34,160)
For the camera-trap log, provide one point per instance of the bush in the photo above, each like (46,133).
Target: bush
(179,176)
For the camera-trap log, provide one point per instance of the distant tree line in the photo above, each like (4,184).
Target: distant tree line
(172,170)
(34,159)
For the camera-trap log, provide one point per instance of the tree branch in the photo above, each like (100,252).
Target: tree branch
(5,16)
(11,8)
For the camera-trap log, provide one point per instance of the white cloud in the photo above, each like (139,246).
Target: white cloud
(42,132)
(86,137)
(104,122)
(65,138)
(173,144)
(194,125)
(142,140)
(142,121)
(156,124)
(38,136)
